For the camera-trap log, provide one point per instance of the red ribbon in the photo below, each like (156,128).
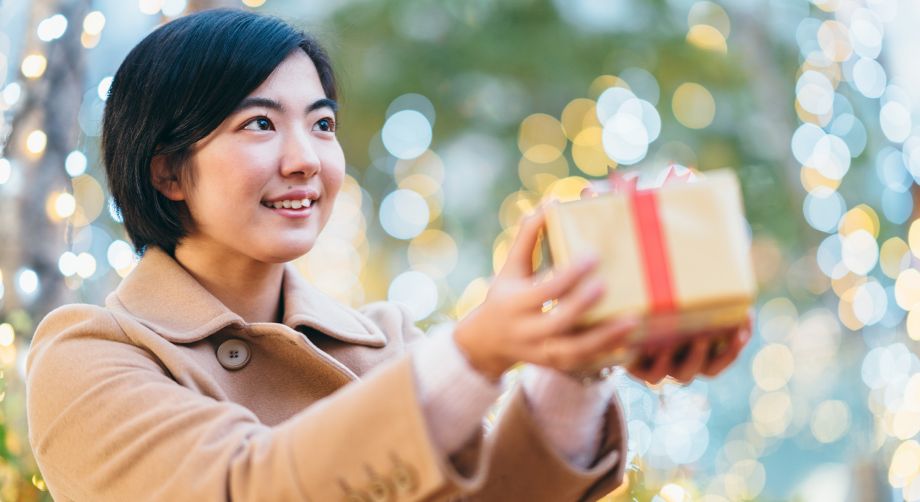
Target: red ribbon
(653,248)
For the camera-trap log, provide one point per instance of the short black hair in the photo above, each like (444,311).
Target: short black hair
(173,89)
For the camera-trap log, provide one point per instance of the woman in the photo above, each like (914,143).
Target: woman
(215,372)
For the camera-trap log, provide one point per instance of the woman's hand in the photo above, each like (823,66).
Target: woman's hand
(706,353)
(510,325)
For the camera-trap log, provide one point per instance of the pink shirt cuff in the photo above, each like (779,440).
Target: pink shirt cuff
(453,395)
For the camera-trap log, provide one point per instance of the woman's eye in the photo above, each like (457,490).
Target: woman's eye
(325,125)
(259,124)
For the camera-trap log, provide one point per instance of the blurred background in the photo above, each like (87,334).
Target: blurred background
(459,116)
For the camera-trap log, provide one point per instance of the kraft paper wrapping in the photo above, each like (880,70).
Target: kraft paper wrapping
(707,245)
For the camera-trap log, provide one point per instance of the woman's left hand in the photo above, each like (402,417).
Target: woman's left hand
(705,353)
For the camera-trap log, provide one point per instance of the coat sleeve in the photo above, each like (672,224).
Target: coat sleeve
(107,422)
(519,459)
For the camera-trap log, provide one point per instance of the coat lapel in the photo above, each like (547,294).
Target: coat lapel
(163,296)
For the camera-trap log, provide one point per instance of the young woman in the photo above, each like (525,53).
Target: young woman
(215,372)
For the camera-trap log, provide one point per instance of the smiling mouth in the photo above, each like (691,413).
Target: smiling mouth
(289,204)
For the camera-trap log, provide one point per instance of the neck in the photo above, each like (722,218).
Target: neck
(248,287)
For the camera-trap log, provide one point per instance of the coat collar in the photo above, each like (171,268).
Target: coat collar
(163,296)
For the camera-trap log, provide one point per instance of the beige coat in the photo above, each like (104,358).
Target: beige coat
(133,401)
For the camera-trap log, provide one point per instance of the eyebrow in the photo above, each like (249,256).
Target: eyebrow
(271,104)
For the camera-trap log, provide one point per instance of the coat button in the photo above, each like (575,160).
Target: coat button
(233,354)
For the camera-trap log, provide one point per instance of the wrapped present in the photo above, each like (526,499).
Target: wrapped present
(676,256)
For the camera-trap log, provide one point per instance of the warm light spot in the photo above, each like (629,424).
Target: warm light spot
(604,82)
(89,41)
(861,217)
(94,22)
(709,13)
(516,206)
(433,252)
(913,238)
(150,7)
(806,116)
(773,367)
(894,257)
(846,282)
(36,141)
(913,324)
(672,492)
(589,155)
(34,65)
(830,421)
(846,310)
(537,177)
(579,115)
(566,189)
(772,413)
(834,39)
(473,295)
(501,246)
(907,289)
(812,179)
(707,38)
(817,61)
(39,483)
(61,206)
(7,336)
(693,105)
(90,200)
(541,138)
(253,3)
(827,5)
(905,464)
(428,163)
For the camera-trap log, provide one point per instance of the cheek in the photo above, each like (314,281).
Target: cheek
(333,174)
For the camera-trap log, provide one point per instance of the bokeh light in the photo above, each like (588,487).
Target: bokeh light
(406,134)
(34,65)
(693,105)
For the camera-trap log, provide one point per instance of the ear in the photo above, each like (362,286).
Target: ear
(164,180)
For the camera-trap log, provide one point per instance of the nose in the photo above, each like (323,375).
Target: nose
(300,155)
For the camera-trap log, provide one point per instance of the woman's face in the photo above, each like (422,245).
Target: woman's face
(278,148)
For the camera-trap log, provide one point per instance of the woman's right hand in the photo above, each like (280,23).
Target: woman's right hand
(510,325)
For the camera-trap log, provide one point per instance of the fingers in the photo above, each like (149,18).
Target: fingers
(696,356)
(652,366)
(725,350)
(571,307)
(520,256)
(561,283)
(573,351)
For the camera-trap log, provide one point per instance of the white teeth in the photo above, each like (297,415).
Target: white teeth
(290,204)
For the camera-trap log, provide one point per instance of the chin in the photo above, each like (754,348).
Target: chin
(283,253)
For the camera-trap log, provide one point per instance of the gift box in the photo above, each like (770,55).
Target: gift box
(676,256)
